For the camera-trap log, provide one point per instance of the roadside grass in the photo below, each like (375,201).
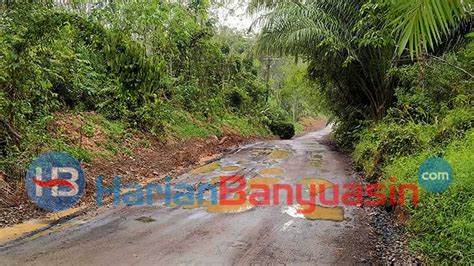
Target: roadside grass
(184,126)
(83,135)
(89,135)
(299,128)
(245,126)
(442,225)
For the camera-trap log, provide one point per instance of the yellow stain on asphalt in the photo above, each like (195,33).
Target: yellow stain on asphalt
(19,230)
(316,182)
(320,212)
(231,168)
(272,171)
(335,214)
(206,168)
(196,204)
(279,154)
(264,181)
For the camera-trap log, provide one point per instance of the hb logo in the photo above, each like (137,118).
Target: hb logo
(55,181)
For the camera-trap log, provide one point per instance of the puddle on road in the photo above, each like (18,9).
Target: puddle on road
(264,181)
(320,212)
(57,228)
(316,159)
(316,182)
(15,231)
(261,152)
(243,162)
(231,168)
(335,214)
(272,171)
(145,219)
(219,208)
(206,168)
(279,154)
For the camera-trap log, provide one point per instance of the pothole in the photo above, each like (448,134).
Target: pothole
(145,219)
(206,168)
(279,154)
(231,168)
(272,171)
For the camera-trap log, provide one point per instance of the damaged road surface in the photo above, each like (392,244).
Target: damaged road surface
(158,234)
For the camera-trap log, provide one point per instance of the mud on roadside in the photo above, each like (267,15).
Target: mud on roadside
(146,163)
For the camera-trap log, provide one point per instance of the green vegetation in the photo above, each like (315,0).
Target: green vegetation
(395,76)
(421,24)
(125,68)
(391,111)
(432,117)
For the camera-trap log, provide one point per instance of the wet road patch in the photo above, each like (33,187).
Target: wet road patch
(279,154)
(145,219)
(272,171)
(206,168)
(231,168)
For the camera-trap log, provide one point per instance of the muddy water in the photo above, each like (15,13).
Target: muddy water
(19,230)
(272,171)
(218,234)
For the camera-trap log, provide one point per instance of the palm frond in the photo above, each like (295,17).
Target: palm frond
(421,24)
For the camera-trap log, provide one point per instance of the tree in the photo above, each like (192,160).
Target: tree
(345,44)
(423,24)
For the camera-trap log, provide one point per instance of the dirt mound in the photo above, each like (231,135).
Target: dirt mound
(312,123)
(76,130)
(142,163)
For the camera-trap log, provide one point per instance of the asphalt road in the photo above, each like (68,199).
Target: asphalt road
(246,234)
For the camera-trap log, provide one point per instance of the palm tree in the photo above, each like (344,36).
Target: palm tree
(423,24)
(327,33)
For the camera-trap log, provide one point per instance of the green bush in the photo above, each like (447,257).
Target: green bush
(180,78)
(454,125)
(431,117)
(385,142)
(442,225)
(284,130)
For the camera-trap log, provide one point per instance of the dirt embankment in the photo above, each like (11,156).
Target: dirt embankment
(312,124)
(142,163)
(149,162)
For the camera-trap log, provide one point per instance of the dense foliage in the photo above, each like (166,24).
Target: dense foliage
(433,116)
(156,66)
(351,56)
(397,75)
